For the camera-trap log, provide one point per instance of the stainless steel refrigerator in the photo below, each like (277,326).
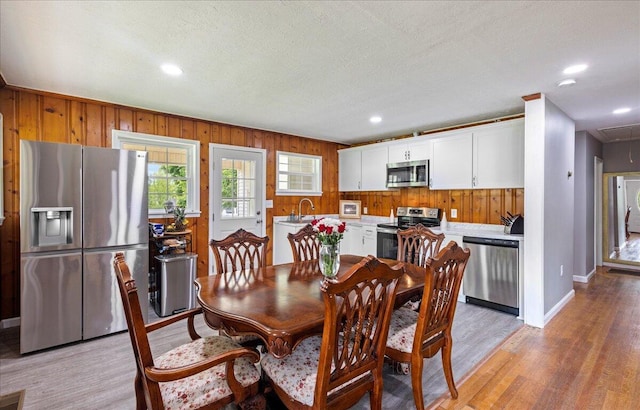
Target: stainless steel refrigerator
(78,207)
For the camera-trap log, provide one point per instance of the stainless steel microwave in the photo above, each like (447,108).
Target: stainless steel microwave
(408,174)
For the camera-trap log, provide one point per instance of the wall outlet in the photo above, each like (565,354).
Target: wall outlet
(454,213)
(561,270)
(365,210)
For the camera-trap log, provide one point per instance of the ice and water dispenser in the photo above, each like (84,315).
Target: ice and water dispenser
(52,226)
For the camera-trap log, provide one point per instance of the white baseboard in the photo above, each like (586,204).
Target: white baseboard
(11,322)
(584,278)
(558,307)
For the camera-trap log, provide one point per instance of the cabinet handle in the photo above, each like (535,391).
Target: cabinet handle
(474,181)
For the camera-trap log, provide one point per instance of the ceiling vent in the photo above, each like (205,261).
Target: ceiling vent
(623,133)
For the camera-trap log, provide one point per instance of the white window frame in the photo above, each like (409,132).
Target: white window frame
(297,192)
(118,138)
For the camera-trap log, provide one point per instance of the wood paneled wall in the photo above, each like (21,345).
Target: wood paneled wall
(48,117)
(54,118)
(473,205)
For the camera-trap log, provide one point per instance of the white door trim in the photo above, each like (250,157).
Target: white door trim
(597,210)
(263,184)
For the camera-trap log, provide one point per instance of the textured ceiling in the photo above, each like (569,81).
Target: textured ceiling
(321,69)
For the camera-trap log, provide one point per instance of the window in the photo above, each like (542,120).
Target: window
(298,174)
(172,168)
(238,188)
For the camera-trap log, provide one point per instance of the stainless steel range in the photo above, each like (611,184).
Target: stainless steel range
(407,217)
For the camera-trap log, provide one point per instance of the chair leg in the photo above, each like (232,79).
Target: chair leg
(416,382)
(448,371)
(256,402)
(140,400)
(375,395)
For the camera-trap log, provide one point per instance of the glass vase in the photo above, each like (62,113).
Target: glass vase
(329,260)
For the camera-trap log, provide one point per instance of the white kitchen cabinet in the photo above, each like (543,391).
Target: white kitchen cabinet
(351,238)
(498,155)
(359,239)
(484,157)
(411,150)
(349,169)
(281,248)
(363,168)
(369,240)
(451,165)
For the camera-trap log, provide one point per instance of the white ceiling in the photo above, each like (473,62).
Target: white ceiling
(321,69)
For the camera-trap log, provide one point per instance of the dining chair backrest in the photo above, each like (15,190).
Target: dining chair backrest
(305,245)
(441,287)
(133,314)
(358,309)
(239,251)
(417,243)
(430,331)
(335,368)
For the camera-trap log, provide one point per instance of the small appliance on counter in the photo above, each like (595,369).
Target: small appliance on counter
(513,224)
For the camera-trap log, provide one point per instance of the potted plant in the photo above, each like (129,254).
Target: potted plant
(180,221)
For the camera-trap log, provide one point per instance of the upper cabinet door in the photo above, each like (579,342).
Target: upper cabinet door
(363,169)
(374,168)
(411,151)
(498,155)
(349,170)
(452,161)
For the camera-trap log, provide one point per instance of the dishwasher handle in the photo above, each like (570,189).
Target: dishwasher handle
(505,243)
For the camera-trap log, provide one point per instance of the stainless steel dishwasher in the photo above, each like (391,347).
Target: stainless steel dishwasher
(491,276)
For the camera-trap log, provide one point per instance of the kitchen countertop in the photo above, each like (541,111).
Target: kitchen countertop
(454,228)
(479,230)
(364,220)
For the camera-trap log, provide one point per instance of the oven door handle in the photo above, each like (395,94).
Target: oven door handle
(387,230)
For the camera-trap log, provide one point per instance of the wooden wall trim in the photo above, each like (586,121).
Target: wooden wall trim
(532,97)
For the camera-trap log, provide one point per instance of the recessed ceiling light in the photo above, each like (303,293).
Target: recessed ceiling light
(375,119)
(575,69)
(623,110)
(171,69)
(568,81)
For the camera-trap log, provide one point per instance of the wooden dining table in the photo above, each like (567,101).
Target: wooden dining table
(282,304)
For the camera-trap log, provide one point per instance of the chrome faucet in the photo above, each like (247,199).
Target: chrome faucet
(313,208)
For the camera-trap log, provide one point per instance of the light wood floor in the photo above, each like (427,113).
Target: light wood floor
(587,357)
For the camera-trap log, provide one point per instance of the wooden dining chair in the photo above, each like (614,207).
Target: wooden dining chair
(207,372)
(239,251)
(414,336)
(335,369)
(417,243)
(305,245)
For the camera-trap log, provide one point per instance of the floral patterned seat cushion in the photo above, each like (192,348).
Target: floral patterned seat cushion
(402,329)
(296,374)
(208,386)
